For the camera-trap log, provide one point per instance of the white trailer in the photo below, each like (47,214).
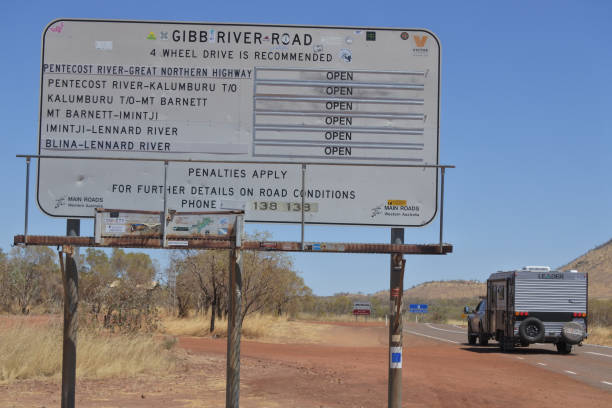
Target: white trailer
(534,305)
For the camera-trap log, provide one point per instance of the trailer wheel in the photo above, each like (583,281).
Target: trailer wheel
(471,337)
(531,330)
(564,348)
(482,337)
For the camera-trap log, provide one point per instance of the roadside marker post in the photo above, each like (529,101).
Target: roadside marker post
(70,279)
(234,321)
(396,289)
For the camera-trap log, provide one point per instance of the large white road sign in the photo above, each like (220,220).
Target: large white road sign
(272,97)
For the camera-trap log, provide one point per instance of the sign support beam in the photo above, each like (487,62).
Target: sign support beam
(281,246)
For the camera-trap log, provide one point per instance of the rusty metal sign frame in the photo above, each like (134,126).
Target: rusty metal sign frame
(281,246)
(199,243)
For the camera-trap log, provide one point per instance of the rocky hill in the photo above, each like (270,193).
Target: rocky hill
(598,263)
(454,289)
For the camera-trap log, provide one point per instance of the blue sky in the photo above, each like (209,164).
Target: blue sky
(526,116)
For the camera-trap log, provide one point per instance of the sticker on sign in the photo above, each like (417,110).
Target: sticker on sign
(252,101)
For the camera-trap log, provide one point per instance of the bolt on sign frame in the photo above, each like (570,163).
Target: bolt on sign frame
(252,123)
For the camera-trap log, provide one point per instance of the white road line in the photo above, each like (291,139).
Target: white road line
(446,330)
(431,337)
(521,358)
(542,364)
(608,383)
(596,345)
(570,372)
(598,354)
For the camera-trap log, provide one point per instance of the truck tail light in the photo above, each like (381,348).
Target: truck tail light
(579,314)
(521,313)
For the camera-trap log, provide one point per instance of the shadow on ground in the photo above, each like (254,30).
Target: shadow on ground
(494,349)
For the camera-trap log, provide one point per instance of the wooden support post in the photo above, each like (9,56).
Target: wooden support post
(395,327)
(234,324)
(70,279)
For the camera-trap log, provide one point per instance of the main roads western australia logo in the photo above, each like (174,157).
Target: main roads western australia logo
(396,208)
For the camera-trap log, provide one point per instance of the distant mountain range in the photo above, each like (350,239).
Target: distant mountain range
(454,289)
(597,262)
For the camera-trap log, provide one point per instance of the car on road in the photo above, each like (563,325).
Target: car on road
(475,321)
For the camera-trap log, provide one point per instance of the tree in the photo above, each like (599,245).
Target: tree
(96,276)
(269,282)
(288,289)
(184,290)
(6,293)
(207,270)
(33,275)
(134,266)
(118,290)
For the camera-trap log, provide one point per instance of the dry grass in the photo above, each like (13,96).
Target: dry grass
(35,351)
(189,326)
(460,323)
(335,318)
(254,326)
(265,328)
(600,335)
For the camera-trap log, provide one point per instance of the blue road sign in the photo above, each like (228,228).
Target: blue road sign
(418,308)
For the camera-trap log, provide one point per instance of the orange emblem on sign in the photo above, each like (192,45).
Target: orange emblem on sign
(420,40)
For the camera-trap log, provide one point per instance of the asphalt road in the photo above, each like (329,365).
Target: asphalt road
(589,364)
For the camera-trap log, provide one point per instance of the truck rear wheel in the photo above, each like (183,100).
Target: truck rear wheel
(564,348)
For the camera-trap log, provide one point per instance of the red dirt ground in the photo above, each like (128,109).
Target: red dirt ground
(349,369)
